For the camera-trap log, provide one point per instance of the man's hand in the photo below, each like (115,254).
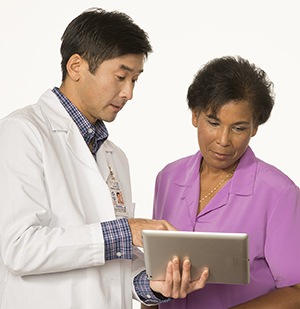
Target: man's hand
(177,285)
(137,225)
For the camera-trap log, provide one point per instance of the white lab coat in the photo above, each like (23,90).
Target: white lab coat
(53,195)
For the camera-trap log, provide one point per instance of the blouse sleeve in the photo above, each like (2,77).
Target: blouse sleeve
(282,246)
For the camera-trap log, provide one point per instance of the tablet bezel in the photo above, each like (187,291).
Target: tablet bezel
(225,254)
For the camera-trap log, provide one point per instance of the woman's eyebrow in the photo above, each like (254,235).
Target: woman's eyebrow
(242,123)
(210,116)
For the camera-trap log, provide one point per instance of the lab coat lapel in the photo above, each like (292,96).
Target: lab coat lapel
(62,123)
(102,160)
(80,149)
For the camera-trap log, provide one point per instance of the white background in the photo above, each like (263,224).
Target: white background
(155,127)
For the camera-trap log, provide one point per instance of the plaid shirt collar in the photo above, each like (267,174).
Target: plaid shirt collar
(97,134)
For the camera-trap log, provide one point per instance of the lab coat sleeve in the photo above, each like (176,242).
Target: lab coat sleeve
(28,244)
(138,265)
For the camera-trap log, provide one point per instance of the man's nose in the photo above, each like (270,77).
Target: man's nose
(127,91)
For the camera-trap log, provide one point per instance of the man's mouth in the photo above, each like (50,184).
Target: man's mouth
(116,108)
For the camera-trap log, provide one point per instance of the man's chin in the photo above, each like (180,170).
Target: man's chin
(110,118)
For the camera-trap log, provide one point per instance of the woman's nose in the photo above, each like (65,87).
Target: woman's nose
(223,138)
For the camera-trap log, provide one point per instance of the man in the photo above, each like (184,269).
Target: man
(66,241)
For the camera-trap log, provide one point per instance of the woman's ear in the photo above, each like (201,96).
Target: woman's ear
(74,66)
(195,116)
(254,131)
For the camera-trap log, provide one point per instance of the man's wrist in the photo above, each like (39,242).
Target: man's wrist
(117,239)
(145,293)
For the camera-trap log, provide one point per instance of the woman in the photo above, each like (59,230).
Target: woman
(225,188)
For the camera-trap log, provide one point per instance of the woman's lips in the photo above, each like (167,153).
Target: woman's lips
(221,156)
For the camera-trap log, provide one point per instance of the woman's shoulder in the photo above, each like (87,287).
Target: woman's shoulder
(272,175)
(181,163)
(263,174)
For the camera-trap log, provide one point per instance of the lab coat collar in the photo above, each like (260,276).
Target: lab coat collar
(58,117)
(60,121)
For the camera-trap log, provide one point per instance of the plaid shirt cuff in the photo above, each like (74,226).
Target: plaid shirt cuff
(144,292)
(117,239)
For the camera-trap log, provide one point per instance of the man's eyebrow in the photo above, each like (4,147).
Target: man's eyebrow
(126,68)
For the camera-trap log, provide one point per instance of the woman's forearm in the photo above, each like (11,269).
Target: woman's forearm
(147,307)
(288,297)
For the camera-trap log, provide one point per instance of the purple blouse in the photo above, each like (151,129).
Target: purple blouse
(259,200)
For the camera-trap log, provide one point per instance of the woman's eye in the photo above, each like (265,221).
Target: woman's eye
(213,123)
(239,129)
(120,78)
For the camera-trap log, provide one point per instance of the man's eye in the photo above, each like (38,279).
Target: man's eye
(121,78)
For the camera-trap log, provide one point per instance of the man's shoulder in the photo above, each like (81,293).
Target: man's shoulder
(30,118)
(21,115)
(28,112)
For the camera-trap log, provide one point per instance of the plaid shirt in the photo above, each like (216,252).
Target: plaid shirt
(116,233)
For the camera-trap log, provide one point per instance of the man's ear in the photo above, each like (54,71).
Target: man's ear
(195,115)
(74,67)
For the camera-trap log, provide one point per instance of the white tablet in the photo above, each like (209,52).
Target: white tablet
(225,254)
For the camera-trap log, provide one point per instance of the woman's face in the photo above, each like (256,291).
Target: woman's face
(223,139)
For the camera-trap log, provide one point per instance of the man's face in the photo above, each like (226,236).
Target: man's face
(102,95)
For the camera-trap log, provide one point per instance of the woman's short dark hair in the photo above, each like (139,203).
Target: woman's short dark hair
(97,35)
(232,79)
